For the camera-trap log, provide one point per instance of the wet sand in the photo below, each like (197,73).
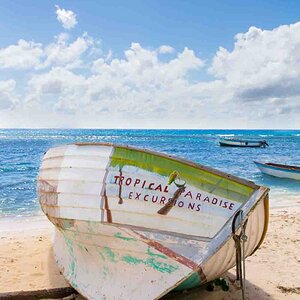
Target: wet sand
(273,272)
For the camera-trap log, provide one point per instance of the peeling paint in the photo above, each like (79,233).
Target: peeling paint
(72,266)
(79,245)
(74,284)
(120,236)
(150,262)
(193,281)
(105,271)
(90,227)
(131,260)
(67,224)
(155,254)
(109,254)
(101,255)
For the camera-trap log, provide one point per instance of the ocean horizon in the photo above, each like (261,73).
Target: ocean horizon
(21,152)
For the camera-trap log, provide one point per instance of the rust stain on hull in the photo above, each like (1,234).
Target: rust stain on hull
(108,211)
(45,186)
(61,223)
(120,189)
(165,209)
(202,275)
(49,198)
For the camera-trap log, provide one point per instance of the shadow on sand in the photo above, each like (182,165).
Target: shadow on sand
(234,293)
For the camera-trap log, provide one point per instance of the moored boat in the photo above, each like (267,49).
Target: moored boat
(279,170)
(242,143)
(132,222)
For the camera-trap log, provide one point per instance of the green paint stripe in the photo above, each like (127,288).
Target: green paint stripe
(191,282)
(120,236)
(204,180)
(109,254)
(150,262)
(149,252)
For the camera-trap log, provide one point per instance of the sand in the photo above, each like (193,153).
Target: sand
(26,256)
(273,272)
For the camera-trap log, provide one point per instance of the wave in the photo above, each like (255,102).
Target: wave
(225,135)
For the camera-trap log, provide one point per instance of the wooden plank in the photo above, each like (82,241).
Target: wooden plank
(56,293)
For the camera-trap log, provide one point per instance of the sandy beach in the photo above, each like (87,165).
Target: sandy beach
(26,256)
(27,263)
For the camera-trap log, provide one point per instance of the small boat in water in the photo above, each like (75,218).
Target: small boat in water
(242,143)
(132,223)
(279,170)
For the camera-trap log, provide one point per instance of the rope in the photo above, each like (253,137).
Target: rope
(240,250)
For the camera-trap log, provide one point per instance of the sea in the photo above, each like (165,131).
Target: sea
(21,152)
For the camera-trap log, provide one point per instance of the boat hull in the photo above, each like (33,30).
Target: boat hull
(241,143)
(112,242)
(111,262)
(107,262)
(278,171)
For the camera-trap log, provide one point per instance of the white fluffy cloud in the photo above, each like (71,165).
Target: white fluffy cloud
(66,17)
(62,52)
(138,85)
(166,49)
(264,64)
(254,85)
(23,55)
(8,97)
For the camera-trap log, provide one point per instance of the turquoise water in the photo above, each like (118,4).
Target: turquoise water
(21,152)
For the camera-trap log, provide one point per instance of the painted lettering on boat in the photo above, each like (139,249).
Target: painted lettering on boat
(194,197)
(122,180)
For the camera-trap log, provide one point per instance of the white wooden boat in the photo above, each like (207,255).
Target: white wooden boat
(242,143)
(124,230)
(279,170)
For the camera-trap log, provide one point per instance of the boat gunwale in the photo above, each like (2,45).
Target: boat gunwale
(238,140)
(224,144)
(234,178)
(281,167)
(264,191)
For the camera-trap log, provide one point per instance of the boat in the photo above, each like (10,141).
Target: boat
(132,223)
(230,142)
(279,170)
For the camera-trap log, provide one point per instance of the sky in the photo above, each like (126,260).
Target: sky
(150,64)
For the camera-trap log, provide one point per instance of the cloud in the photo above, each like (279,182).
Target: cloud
(71,82)
(62,53)
(137,85)
(26,55)
(23,55)
(66,17)
(109,55)
(263,64)
(8,97)
(165,49)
